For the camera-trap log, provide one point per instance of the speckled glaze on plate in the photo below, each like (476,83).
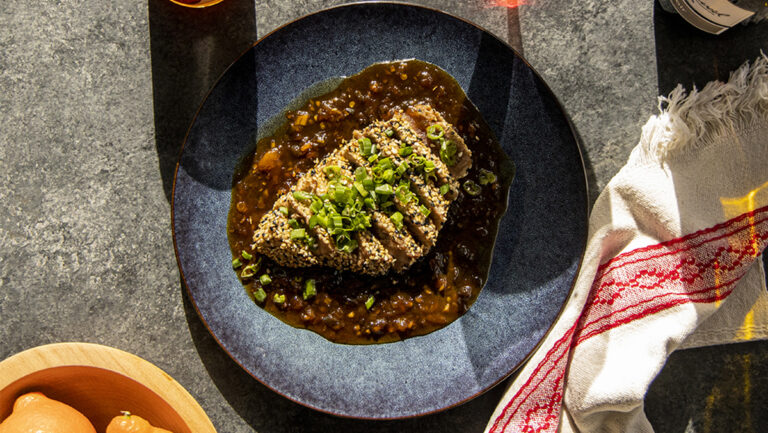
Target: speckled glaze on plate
(537,254)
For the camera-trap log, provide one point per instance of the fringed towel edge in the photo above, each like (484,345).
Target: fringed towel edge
(688,121)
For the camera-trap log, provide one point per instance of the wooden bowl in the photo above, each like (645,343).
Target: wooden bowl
(101,382)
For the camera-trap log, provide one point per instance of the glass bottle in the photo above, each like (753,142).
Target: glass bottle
(717,16)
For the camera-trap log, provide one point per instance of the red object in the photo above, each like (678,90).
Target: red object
(509,3)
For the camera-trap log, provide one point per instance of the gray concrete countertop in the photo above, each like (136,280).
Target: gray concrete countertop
(96,97)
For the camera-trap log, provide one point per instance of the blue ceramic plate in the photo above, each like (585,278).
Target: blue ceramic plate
(537,253)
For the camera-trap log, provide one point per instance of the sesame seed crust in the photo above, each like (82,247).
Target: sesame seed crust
(384,246)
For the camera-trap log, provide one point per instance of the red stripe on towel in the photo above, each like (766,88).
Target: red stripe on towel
(702,267)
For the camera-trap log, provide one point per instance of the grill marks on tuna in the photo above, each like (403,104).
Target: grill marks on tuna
(399,225)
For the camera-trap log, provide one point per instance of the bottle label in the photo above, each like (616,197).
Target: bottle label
(712,16)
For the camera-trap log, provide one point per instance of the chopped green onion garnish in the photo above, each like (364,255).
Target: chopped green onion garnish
(397,220)
(402,168)
(486,177)
(373,157)
(278,298)
(313,221)
(388,176)
(259,295)
(246,255)
(369,302)
(249,271)
(360,173)
(309,289)
(293,223)
(366,147)
(338,222)
(360,188)
(389,133)
(424,211)
(316,206)
(417,160)
(365,220)
(429,166)
(471,187)
(405,151)
(332,171)
(448,152)
(403,193)
(384,189)
(283,210)
(236,263)
(341,194)
(385,164)
(298,234)
(444,189)
(302,195)
(323,220)
(264,279)
(348,247)
(370,203)
(435,131)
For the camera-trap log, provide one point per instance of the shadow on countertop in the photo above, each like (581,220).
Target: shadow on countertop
(716,388)
(190,49)
(711,389)
(691,57)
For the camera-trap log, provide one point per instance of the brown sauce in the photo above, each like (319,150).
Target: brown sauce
(437,289)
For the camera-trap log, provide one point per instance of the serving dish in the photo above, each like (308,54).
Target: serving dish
(538,249)
(100,382)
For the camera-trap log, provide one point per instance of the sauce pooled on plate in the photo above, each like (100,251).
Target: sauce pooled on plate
(412,295)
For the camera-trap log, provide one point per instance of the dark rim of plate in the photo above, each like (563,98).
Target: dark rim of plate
(560,107)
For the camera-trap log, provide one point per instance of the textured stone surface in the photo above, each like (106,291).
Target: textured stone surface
(96,98)
(86,248)
(598,57)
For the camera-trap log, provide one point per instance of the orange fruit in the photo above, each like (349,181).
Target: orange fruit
(130,423)
(35,413)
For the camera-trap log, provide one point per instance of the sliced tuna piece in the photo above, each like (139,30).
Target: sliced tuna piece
(416,217)
(400,244)
(373,257)
(420,117)
(427,191)
(367,256)
(273,238)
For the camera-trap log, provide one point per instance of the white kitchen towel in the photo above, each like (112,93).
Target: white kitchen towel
(674,240)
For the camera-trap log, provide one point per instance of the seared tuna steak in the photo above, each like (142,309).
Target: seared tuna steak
(375,204)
